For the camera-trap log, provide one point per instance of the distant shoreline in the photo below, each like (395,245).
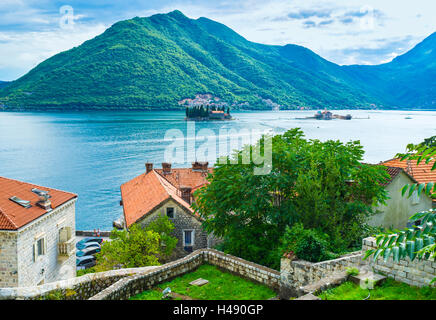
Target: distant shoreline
(136,109)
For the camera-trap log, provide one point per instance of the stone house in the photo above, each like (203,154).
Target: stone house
(399,208)
(37,234)
(169,191)
(422,172)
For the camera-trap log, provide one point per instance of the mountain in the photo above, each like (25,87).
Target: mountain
(3,84)
(408,81)
(154,62)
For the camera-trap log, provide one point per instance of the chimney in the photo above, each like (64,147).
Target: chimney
(44,199)
(166,167)
(200,165)
(148,167)
(44,203)
(186,193)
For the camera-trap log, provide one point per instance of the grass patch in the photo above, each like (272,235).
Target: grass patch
(82,272)
(221,286)
(389,290)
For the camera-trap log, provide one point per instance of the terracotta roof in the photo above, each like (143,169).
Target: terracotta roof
(421,172)
(394,172)
(147,192)
(186,177)
(12,215)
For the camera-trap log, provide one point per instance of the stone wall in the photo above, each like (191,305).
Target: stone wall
(417,273)
(122,283)
(127,287)
(297,274)
(294,274)
(182,221)
(77,288)
(19,268)
(8,259)
(50,266)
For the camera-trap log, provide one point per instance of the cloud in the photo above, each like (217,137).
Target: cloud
(381,50)
(305,14)
(22,51)
(313,24)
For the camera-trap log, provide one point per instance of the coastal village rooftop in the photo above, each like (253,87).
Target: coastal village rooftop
(150,190)
(421,172)
(14,215)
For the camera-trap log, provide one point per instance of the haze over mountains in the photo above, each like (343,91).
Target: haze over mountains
(154,62)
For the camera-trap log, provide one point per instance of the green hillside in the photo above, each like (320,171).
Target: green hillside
(408,81)
(154,62)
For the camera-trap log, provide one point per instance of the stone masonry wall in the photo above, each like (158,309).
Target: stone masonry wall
(129,286)
(79,288)
(17,265)
(8,259)
(48,267)
(122,283)
(416,273)
(182,221)
(295,274)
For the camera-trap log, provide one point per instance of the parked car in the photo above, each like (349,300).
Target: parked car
(84,245)
(90,251)
(85,262)
(99,240)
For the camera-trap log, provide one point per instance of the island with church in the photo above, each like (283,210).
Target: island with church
(201,113)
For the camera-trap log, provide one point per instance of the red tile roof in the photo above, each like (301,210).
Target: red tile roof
(394,172)
(148,191)
(186,177)
(421,172)
(12,215)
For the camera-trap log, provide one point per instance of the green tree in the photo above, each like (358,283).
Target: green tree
(167,242)
(137,247)
(323,185)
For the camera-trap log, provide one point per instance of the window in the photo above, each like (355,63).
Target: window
(188,238)
(415,197)
(24,203)
(170,212)
(39,248)
(65,234)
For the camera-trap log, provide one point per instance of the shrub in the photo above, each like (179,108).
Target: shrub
(311,248)
(307,244)
(352,271)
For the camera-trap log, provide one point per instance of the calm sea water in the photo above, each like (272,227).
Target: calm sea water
(92,154)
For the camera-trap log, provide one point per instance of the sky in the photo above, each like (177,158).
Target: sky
(342,31)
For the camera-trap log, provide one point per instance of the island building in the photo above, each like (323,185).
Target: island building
(169,191)
(37,234)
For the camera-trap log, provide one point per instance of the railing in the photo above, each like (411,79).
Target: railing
(67,248)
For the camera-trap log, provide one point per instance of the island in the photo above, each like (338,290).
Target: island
(327,115)
(201,113)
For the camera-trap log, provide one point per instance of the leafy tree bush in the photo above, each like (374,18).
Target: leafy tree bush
(137,247)
(307,244)
(167,242)
(323,185)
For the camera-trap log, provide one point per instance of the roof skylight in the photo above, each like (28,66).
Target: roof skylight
(24,203)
